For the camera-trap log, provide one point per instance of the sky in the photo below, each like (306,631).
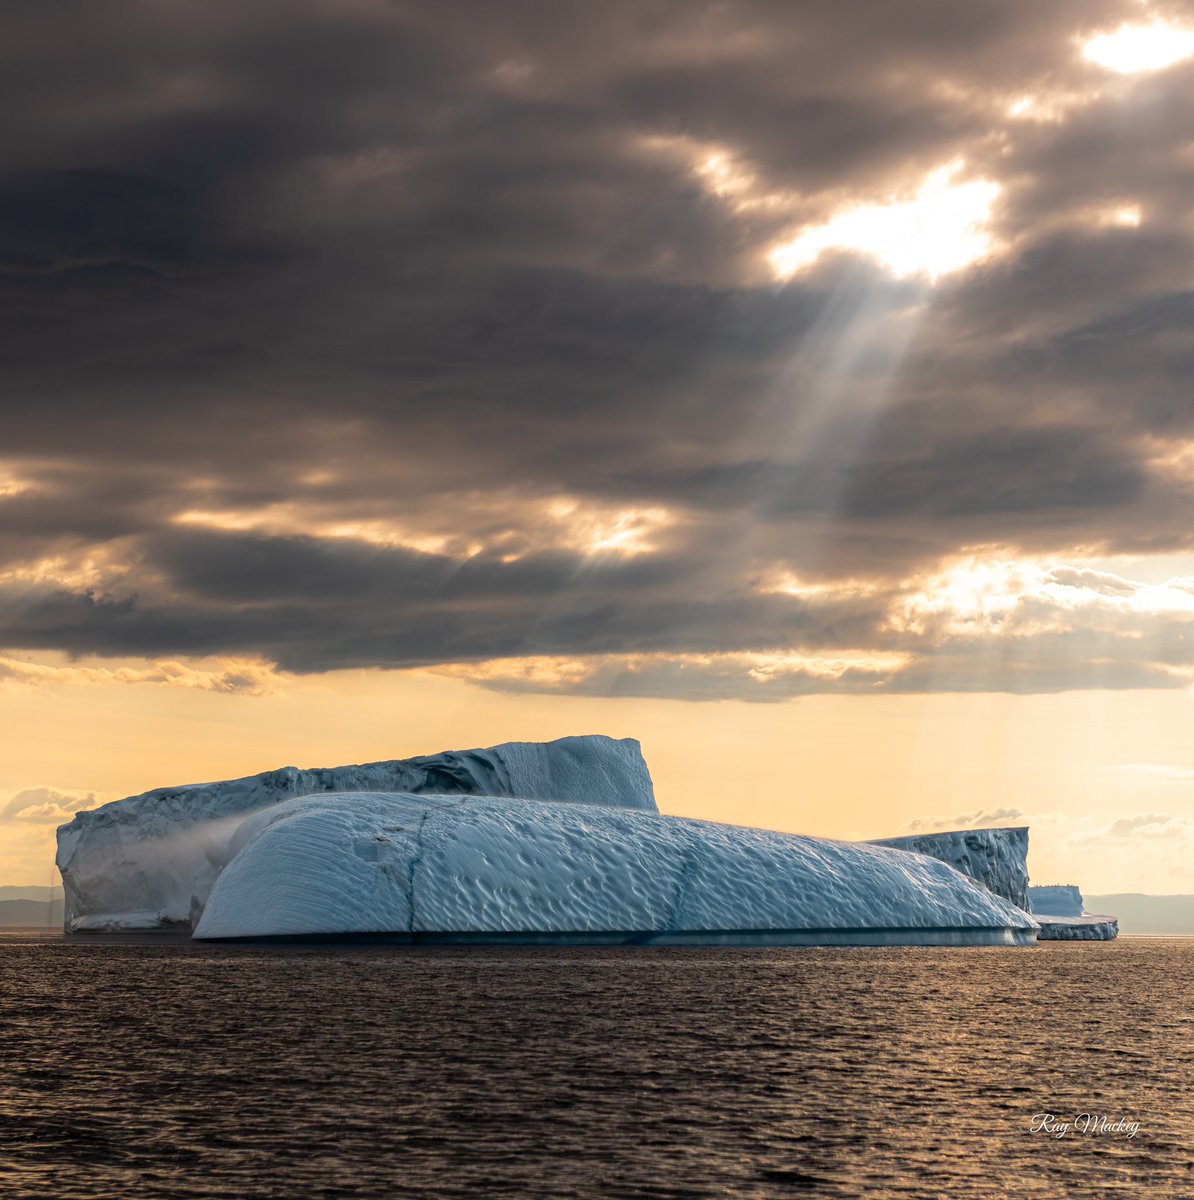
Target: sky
(800,389)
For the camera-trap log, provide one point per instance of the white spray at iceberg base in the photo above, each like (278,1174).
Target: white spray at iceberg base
(554,842)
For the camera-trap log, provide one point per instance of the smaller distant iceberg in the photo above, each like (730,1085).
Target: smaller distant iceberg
(1056,901)
(1060,911)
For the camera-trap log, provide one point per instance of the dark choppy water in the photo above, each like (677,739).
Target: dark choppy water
(179,1070)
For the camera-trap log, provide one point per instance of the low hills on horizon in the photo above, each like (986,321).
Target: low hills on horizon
(30,906)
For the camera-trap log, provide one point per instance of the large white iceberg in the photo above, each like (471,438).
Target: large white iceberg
(558,841)
(149,861)
(425,867)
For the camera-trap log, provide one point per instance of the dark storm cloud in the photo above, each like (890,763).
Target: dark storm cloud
(1029,471)
(312,604)
(284,270)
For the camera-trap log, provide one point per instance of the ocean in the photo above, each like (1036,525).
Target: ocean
(176,1069)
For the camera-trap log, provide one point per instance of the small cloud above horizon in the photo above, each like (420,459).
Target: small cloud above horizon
(979,819)
(46,805)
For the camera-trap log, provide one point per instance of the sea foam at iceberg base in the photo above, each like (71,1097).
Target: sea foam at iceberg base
(477,868)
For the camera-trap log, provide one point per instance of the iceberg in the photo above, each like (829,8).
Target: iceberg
(418,867)
(1089,927)
(996,858)
(1062,916)
(149,861)
(1056,900)
(523,842)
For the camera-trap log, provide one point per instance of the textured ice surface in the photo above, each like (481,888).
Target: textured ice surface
(1089,927)
(431,865)
(149,861)
(1056,900)
(997,858)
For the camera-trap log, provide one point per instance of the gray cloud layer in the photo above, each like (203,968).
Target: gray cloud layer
(426,269)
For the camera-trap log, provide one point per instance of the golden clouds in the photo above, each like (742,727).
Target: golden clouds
(1133,49)
(245,676)
(939,228)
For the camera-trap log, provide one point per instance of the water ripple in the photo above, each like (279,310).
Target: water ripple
(185,1070)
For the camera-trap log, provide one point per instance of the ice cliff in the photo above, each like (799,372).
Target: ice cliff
(482,868)
(997,858)
(149,861)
